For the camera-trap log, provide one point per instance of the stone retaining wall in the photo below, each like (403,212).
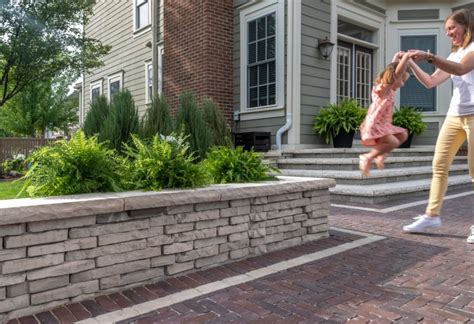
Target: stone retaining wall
(64,249)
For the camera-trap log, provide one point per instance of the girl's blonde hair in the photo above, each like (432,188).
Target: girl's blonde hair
(387,76)
(464,18)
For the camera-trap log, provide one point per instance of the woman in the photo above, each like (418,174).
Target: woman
(459,123)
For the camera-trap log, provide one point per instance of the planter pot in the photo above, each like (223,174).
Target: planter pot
(343,139)
(407,143)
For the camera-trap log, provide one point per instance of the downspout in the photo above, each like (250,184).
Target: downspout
(155,22)
(289,80)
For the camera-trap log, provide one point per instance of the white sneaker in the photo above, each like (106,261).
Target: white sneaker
(422,223)
(470,239)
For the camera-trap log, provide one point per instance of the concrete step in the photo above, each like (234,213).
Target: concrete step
(353,163)
(354,177)
(350,152)
(377,193)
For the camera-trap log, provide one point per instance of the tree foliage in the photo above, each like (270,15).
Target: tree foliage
(96,116)
(157,119)
(42,106)
(41,39)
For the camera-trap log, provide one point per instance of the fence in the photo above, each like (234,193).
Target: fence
(10,146)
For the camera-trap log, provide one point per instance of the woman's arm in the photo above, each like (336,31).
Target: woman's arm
(466,64)
(429,81)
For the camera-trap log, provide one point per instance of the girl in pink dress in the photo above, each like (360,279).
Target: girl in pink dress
(377,130)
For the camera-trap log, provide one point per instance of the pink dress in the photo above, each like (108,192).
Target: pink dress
(378,121)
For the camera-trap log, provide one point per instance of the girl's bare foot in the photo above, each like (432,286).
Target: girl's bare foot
(364,165)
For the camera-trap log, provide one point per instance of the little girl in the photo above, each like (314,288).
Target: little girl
(377,130)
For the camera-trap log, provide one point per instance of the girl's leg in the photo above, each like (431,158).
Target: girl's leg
(384,145)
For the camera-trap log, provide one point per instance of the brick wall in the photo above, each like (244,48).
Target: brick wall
(198,51)
(54,252)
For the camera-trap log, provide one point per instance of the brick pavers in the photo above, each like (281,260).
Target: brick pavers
(405,278)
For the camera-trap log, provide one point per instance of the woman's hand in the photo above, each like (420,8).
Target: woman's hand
(418,55)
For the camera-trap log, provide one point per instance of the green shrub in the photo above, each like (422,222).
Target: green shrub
(80,165)
(121,122)
(216,123)
(228,165)
(17,163)
(162,162)
(96,116)
(409,118)
(157,119)
(191,123)
(347,115)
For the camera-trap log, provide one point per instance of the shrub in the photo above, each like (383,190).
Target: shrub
(96,116)
(216,123)
(80,165)
(121,122)
(162,162)
(157,119)
(17,163)
(228,165)
(191,123)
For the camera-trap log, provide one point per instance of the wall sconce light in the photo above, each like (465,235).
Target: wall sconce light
(325,47)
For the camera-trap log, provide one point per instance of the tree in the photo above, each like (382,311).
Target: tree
(40,107)
(41,39)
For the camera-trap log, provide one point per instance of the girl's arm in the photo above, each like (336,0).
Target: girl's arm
(466,65)
(429,81)
(402,66)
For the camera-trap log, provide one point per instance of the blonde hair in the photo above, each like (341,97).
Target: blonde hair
(387,76)
(464,18)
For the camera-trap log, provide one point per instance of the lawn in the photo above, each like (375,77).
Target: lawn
(9,189)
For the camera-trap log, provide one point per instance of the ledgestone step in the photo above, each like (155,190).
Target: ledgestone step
(353,163)
(377,193)
(354,177)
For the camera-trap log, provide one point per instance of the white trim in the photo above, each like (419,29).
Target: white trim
(251,13)
(262,114)
(357,41)
(160,68)
(94,85)
(148,67)
(113,78)
(139,31)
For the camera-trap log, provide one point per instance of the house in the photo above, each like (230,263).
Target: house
(260,61)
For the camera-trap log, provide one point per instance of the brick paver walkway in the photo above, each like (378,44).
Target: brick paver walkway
(404,278)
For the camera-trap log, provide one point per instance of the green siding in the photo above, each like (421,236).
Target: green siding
(315,71)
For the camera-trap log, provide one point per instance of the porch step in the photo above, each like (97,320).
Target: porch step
(407,172)
(374,194)
(354,177)
(352,163)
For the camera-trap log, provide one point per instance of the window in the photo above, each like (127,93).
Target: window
(149,81)
(414,94)
(261,57)
(115,84)
(149,75)
(96,90)
(142,13)
(354,72)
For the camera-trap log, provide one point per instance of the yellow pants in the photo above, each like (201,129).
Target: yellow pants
(454,132)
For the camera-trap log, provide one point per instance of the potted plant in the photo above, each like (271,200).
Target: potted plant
(411,119)
(339,122)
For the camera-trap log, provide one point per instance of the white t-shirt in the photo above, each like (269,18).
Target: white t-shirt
(462,102)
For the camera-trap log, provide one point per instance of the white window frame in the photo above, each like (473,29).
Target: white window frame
(251,13)
(113,78)
(136,29)
(95,85)
(149,64)
(148,82)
